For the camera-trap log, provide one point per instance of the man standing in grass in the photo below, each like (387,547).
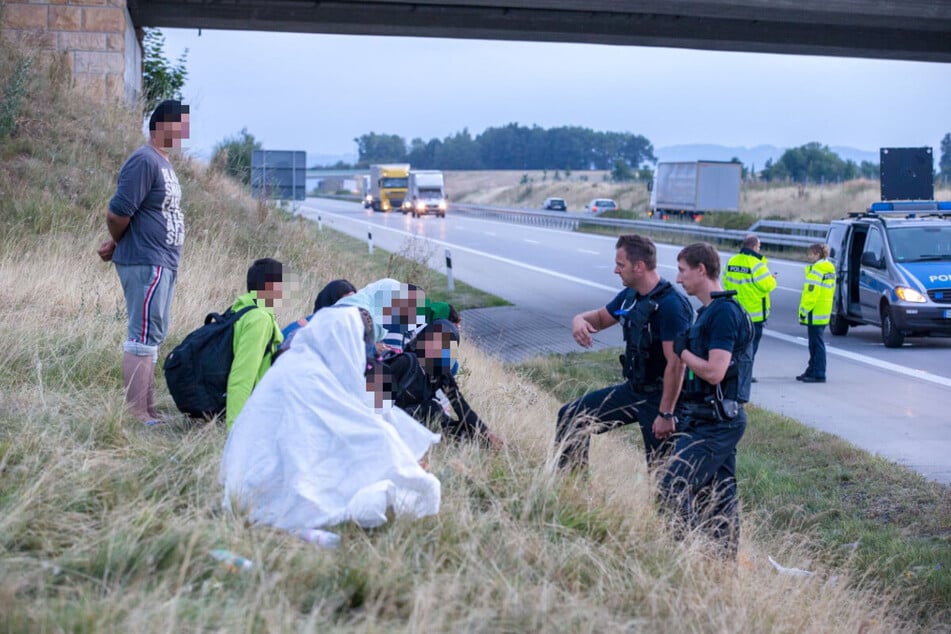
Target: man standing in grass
(652,314)
(147,229)
(748,275)
(700,481)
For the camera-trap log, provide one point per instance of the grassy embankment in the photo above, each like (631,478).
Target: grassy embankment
(106,526)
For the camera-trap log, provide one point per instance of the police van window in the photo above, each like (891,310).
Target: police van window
(874,244)
(916,244)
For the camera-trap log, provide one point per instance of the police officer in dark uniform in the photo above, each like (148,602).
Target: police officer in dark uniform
(652,314)
(700,482)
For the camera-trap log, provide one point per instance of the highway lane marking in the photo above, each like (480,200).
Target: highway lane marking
(488,233)
(483,254)
(589,251)
(861,358)
(531,241)
(871,361)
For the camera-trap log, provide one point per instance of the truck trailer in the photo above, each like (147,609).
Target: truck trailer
(693,188)
(388,185)
(426,194)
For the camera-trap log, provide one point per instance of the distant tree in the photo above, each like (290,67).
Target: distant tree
(380,148)
(944,163)
(621,172)
(459,152)
(867,169)
(161,79)
(233,155)
(811,162)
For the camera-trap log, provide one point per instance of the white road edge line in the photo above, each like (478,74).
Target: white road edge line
(799,341)
(861,358)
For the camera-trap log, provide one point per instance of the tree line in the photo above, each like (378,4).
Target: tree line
(513,147)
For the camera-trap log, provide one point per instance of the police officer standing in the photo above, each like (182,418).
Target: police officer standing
(815,309)
(748,274)
(700,482)
(652,314)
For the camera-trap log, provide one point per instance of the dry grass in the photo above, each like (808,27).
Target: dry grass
(106,526)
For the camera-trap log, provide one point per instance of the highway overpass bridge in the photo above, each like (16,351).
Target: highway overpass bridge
(896,29)
(99,41)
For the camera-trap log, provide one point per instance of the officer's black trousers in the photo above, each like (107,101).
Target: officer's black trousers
(601,411)
(700,482)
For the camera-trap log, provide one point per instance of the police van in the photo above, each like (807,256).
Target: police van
(893,265)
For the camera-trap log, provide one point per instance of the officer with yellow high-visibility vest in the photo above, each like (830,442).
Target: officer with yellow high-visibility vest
(748,274)
(815,309)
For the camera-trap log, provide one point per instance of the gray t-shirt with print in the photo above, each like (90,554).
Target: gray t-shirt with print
(148,192)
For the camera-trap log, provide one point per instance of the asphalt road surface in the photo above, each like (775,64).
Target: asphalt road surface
(892,402)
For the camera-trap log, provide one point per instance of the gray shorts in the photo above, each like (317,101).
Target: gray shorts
(148,299)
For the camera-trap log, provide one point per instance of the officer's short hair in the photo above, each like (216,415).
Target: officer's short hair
(637,248)
(168,110)
(751,242)
(263,271)
(702,253)
(819,248)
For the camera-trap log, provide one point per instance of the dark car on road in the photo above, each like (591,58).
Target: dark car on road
(555,204)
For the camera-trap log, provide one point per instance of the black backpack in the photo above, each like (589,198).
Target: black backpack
(197,370)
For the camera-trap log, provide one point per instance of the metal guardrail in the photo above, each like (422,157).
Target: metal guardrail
(771,233)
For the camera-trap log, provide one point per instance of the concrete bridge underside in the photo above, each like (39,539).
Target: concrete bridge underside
(895,29)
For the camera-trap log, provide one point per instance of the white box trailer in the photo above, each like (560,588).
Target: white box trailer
(693,188)
(426,194)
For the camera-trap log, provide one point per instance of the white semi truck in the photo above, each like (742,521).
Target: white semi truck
(693,188)
(426,194)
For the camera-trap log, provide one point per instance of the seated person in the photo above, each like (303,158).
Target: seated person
(396,309)
(309,450)
(328,296)
(256,334)
(421,370)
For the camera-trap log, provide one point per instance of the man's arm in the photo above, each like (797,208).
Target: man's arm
(673,383)
(583,325)
(117,226)
(711,370)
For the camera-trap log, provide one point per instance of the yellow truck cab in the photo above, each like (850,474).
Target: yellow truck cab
(388,185)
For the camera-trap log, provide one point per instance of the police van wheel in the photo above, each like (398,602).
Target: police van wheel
(838,325)
(891,336)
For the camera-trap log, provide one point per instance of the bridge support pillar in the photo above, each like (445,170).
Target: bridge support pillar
(95,37)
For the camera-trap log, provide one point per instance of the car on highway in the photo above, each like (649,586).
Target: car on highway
(893,270)
(555,204)
(600,205)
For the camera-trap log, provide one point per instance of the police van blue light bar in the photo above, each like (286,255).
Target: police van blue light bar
(903,207)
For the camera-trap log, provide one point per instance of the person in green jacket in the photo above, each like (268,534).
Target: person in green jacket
(815,309)
(256,335)
(748,274)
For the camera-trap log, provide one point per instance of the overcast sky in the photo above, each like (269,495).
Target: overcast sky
(318,92)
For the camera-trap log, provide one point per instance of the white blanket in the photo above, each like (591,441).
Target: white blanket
(309,451)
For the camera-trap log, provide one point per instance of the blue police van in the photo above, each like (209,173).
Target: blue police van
(893,265)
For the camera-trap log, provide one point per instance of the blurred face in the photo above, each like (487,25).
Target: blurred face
(813,256)
(692,279)
(628,271)
(438,350)
(272,292)
(171,133)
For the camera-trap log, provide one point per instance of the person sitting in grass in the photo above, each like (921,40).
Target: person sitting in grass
(328,296)
(423,369)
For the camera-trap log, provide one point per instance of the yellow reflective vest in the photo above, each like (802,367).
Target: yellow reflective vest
(815,306)
(748,275)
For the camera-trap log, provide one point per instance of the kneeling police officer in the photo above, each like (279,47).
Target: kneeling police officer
(700,482)
(652,313)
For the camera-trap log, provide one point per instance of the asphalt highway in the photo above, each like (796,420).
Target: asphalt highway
(891,402)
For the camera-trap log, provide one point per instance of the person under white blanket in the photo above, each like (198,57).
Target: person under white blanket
(309,450)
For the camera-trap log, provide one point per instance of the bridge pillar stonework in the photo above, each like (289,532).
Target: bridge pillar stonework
(95,37)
